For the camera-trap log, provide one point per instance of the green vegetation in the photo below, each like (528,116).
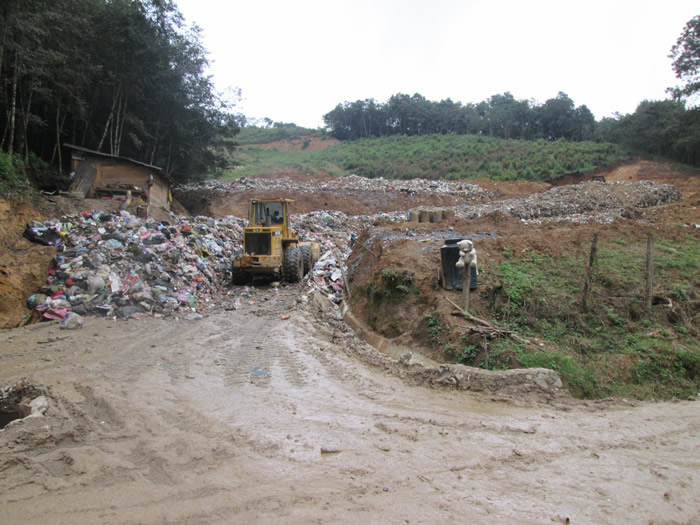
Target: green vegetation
(254,159)
(464,355)
(277,131)
(13,178)
(616,346)
(455,157)
(396,285)
(434,325)
(500,116)
(470,157)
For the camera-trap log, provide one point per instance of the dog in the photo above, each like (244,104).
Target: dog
(467,255)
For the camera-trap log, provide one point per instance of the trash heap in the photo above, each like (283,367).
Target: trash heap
(116,264)
(329,273)
(335,232)
(350,183)
(600,201)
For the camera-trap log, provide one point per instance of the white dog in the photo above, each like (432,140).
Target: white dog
(467,254)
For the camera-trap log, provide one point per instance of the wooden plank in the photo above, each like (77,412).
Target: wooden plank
(84,177)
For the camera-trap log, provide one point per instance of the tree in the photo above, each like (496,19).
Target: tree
(124,77)
(686,59)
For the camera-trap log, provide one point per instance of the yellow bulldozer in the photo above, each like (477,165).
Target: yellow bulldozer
(271,248)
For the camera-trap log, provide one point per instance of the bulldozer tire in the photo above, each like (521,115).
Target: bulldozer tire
(239,277)
(307,257)
(292,265)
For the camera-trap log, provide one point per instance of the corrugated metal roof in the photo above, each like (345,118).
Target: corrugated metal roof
(100,154)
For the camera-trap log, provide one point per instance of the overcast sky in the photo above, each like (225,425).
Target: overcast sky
(295,60)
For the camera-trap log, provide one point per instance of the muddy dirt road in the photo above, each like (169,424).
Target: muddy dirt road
(241,417)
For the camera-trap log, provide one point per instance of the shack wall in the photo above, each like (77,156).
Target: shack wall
(111,171)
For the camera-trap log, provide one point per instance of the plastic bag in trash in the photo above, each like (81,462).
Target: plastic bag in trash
(71,321)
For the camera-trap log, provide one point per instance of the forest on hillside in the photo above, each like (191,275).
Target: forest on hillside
(666,128)
(124,77)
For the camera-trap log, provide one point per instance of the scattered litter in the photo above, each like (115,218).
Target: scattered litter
(71,321)
(257,371)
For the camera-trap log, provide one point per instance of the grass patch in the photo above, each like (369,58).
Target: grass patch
(616,346)
(470,157)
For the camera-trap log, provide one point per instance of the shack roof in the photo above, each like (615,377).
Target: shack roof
(107,155)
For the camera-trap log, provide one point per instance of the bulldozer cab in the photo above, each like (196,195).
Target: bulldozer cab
(268,213)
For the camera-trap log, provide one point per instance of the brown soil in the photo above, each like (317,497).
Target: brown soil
(312,144)
(355,203)
(23,265)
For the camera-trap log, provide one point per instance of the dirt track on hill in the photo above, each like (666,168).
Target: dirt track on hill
(242,417)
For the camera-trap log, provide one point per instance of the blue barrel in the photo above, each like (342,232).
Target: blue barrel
(451,277)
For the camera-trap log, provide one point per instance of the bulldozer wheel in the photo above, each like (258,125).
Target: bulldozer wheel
(307,257)
(292,265)
(239,277)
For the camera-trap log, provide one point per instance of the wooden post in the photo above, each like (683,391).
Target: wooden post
(589,271)
(465,287)
(650,270)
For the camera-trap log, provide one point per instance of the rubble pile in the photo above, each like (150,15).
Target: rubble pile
(600,201)
(323,225)
(349,183)
(329,274)
(334,231)
(121,265)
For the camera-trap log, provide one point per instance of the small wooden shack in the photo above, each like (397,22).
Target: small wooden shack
(103,176)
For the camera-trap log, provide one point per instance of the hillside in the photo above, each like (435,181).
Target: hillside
(449,157)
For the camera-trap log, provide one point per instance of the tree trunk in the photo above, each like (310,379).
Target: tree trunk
(120,128)
(155,144)
(13,106)
(26,113)
(650,270)
(117,96)
(589,272)
(60,122)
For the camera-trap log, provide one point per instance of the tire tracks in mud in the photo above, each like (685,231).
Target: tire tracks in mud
(180,422)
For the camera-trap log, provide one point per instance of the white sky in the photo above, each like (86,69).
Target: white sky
(295,60)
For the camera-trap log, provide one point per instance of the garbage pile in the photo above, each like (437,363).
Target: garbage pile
(116,264)
(336,225)
(335,232)
(349,183)
(600,201)
(328,274)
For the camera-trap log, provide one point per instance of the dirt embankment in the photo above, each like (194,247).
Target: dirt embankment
(298,144)
(23,265)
